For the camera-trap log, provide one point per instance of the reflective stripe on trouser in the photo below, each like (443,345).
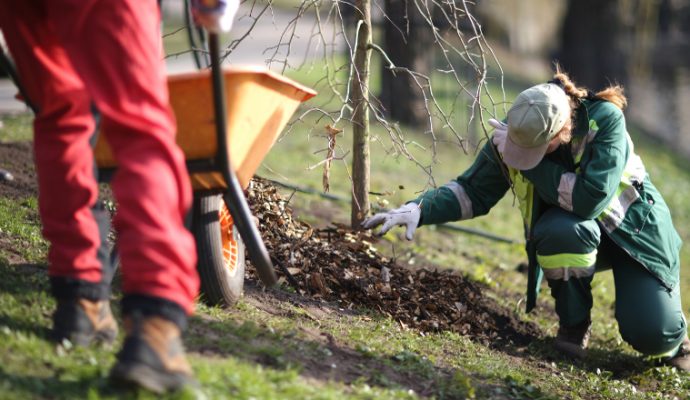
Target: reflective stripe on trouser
(71,53)
(650,318)
(566,265)
(566,251)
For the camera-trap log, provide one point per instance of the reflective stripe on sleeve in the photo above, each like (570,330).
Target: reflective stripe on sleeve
(566,265)
(612,217)
(462,198)
(614,214)
(565,190)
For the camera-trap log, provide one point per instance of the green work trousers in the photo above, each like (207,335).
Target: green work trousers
(570,250)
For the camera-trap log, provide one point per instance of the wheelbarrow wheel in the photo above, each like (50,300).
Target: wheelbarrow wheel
(220,251)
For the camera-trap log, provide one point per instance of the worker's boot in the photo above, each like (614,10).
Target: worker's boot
(682,359)
(572,341)
(152,355)
(83,322)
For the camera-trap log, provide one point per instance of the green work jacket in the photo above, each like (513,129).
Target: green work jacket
(596,176)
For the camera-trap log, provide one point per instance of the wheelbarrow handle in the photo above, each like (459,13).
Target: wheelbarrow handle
(234,195)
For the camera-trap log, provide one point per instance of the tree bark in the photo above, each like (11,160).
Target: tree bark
(408,42)
(359,89)
(592,48)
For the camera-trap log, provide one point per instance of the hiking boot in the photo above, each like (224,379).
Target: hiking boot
(682,359)
(572,341)
(152,355)
(83,322)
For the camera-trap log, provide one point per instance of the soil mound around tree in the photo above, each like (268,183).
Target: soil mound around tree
(338,264)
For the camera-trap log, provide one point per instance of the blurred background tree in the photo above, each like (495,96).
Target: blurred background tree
(592,43)
(408,41)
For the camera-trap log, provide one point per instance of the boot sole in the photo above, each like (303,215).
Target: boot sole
(144,376)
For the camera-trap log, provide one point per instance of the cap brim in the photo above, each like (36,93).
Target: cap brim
(523,158)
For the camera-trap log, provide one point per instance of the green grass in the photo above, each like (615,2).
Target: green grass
(15,127)
(19,222)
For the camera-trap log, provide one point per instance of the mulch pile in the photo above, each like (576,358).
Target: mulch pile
(338,264)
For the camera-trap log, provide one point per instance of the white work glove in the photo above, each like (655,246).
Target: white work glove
(500,134)
(407,215)
(215,15)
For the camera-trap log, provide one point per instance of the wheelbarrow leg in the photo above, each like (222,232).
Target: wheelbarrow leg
(107,253)
(234,195)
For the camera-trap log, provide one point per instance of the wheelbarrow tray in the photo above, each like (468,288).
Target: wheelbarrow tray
(259,105)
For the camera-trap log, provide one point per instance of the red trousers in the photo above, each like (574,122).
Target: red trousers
(71,54)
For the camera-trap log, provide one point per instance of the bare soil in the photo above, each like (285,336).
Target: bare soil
(17,158)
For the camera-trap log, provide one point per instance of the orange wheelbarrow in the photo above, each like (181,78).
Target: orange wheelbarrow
(226,122)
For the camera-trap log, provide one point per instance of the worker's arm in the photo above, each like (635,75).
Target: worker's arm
(470,195)
(588,191)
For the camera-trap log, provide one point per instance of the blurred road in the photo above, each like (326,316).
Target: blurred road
(256,49)
(8,104)
(262,47)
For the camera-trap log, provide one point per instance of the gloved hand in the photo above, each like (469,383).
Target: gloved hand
(215,15)
(500,134)
(407,215)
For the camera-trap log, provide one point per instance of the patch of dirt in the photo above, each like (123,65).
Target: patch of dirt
(341,265)
(17,158)
(9,251)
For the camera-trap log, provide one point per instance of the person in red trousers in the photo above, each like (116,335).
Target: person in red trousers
(72,55)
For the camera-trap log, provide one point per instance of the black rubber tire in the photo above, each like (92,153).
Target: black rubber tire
(222,280)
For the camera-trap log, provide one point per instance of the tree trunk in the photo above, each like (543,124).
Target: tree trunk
(408,41)
(592,43)
(359,89)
